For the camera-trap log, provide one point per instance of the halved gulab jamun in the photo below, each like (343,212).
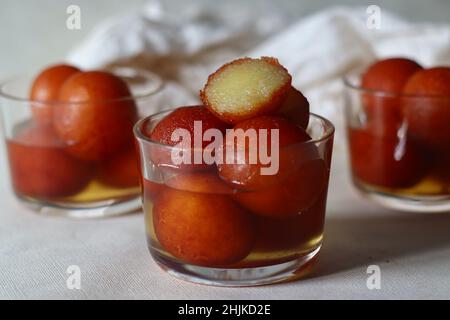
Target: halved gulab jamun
(246,88)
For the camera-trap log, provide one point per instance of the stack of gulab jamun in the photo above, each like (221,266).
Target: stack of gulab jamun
(406,131)
(216,213)
(80,131)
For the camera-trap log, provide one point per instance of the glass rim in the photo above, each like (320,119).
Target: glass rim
(158,85)
(137,130)
(348,83)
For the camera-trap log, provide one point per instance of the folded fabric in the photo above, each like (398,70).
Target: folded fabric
(318,50)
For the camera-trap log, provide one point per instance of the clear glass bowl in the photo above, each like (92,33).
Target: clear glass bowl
(399,147)
(205,230)
(47,177)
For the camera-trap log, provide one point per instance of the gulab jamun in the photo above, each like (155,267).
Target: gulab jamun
(293,231)
(385,80)
(291,196)
(295,108)
(386,161)
(45,90)
(202,182)
(41,168)
(96,115)
(184,118)
(240,161)
(203,229)
(427,107)
(121,171)
(246,88)
(151,190)
(389,75)
(441,170)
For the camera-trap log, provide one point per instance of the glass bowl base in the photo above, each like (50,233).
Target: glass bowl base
(95,210)
(419,203)
(239,277)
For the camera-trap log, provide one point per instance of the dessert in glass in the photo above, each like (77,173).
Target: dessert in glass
(69,138)
(234,190)
(398,117)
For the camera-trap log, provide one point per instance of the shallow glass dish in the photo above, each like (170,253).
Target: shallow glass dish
(398,159)
(47,177)
(202,229)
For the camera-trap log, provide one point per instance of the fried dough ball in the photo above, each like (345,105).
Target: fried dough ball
(183,118)
(238,169)
(427,111)
(122,170)
(389,75)
(295,108)
(203,229)
(386,161)
(41,168)
(246,88)
(290,196)
(45,88)
(96,116)
(292,231)
(386,78)
(151,190)
(202,182)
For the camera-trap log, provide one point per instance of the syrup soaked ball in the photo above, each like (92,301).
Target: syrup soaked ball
(291,196)
(40,167)
(427,110)
(122,170)
(386,79)
(241,162)
(184,118)
(389,75)
(203,229)
(385,161)
(246,88)
(292,231)
(202,182)
(295,108)
(96,116)
(46,88)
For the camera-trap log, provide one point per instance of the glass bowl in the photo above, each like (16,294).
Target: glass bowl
(399,147)
(205,230)
(47,177)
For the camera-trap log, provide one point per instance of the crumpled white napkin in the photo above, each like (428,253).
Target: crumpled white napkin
(318,50)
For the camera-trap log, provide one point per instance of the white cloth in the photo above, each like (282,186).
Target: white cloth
(185,48)
(412,250)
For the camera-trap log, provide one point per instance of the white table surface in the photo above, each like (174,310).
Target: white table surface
(412,250)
